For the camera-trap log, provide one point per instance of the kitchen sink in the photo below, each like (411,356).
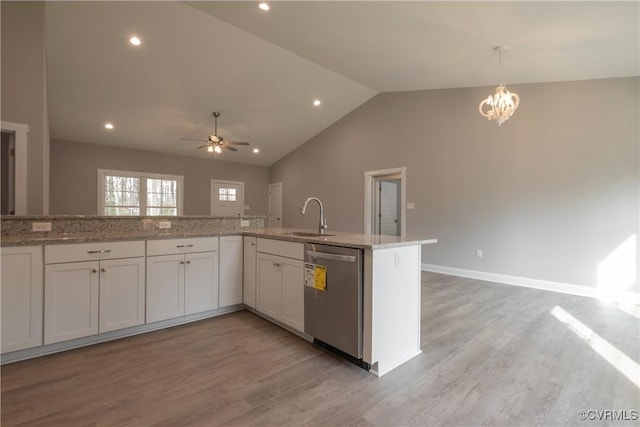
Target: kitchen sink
(308,234)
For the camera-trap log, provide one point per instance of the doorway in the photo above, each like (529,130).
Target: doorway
(275,205)
(7,174)
(13,169)
(385,201)
(227,198)
(386,206)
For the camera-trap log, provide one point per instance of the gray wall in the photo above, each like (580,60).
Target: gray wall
(549,195)
(23,82)
(74,178)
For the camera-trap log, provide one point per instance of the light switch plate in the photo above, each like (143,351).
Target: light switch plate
(244,223)
(164,224)
(41,226)
(411,205)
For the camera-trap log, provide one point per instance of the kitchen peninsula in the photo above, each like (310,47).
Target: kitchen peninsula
(200,267)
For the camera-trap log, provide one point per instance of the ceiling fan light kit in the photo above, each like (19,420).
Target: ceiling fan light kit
(501,105)
(215,143)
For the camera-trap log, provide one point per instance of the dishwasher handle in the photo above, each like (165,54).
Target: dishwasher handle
(334,257)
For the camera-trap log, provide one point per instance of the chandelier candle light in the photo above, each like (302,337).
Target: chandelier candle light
(503,103)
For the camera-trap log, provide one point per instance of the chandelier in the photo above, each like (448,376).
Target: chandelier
(501,105)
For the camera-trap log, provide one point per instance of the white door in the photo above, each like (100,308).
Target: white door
(268,285)
(165,287)
(201,282)
(230,270)
(275,205)
(70,301)
(122,290)
(388,207)
(292,292)
(249,276)
(21,295)
(227,198)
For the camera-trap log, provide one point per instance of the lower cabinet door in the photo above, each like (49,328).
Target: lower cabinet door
(21,296)
(165,287)
(122,293)
(292,293)
(70,301)
(249,274)
(230,270)
(201,282)
(268,285)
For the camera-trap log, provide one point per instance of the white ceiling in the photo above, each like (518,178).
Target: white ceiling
(262,70)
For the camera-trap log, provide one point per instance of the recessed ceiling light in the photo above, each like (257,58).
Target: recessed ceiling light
(317,102)
(256,150)
(264,5)
(135,41)
(108,126)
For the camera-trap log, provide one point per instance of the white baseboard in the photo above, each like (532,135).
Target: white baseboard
(546,285)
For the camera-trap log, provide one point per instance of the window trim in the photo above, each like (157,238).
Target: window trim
(143,176)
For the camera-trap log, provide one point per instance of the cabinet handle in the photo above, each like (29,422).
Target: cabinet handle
(188,262)
(179,246)
(189,246)
(276,264)
(102,251)
(94,271)
(104,270)
(181,262)
(253,244)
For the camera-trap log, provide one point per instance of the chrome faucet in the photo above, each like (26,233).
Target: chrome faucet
(323,220)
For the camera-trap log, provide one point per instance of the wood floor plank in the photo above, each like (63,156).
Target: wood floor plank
(493,354)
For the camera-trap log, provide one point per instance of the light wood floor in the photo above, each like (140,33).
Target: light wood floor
(492,355)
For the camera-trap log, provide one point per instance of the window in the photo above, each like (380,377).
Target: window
(134,193)
(227,194)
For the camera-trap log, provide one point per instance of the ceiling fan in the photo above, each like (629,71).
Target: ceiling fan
(215,143)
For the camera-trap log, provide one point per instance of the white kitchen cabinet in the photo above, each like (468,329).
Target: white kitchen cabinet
(182,277)
(165,287)
(21,293)
(268,285)
(89,289)
(201,283)
(292,293)
(231,253)
(122,293)
(249,274)
(280,282)
(71,295)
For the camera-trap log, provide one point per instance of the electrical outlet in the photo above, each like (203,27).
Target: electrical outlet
(479,253)
(411,205)
(41,226)
(244,223)
(396,260)
(164,224)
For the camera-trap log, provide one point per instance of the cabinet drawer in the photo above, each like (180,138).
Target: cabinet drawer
(54,254)
(282,248)
(181,246)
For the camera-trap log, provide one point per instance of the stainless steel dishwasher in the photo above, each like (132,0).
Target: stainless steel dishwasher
(333,298)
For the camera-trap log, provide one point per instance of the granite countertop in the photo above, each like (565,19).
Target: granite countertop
(352,240)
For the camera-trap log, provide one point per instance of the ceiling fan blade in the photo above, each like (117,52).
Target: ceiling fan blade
(230,148)
(203,146)
(191,139)
(237,143)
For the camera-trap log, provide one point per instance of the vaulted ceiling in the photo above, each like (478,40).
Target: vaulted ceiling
(263,70)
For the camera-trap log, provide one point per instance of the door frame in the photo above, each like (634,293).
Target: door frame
(225,181)
(19,132)
(369,189)
(275,184)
